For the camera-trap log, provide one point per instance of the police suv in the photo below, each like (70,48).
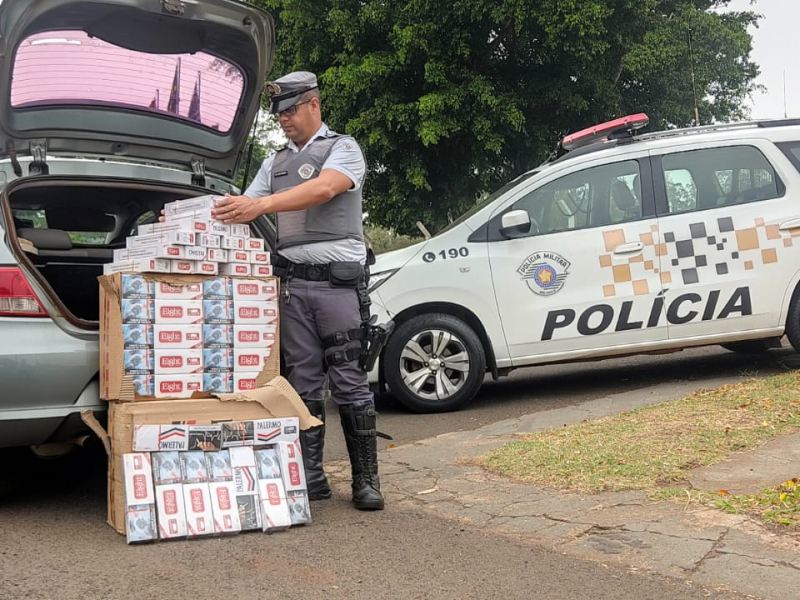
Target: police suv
(623,244)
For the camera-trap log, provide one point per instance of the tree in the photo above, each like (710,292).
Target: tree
(265,139)
(451,100)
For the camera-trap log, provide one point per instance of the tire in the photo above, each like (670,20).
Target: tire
(752,346)
(420,378)
(793,321)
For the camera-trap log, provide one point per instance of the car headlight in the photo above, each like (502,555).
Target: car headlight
(377,279)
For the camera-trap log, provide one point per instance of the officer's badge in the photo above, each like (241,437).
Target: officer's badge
(306,171)
(544,272)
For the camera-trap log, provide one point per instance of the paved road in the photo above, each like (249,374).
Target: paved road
(56,544)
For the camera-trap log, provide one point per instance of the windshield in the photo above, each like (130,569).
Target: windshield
(488,200)
(69,67)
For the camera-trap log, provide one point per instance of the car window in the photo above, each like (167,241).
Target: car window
(700,179)
(590,198)
(86,234)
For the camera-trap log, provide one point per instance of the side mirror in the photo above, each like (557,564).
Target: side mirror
(516,223)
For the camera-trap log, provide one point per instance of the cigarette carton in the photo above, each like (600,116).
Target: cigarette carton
(193,466)
(292,471)
(218,311)
(136,286)
(187,223)
(139,362)
(140,523)
(217,288)
(274,506)
(144,384)
(299,507)
(218,383)
(262,270)
(252,243)
(154,251)
(219,465)
(231,242)
(240,231)
(207,267)
(243,463)
(187,205)
(137,336)
(249,359)
(254,290)
(195,253)
(159,438)
(259,257)
(231,268)
(168,291)
(244,381)
(238,433)
(224,507)
(272,431)
(178,312)
(268,463)
(166,467)
(177,237)
(178,361)
(137,311)
(218,360)
(199,514)
(239,256)
(217,255)
(218,335)
(179,385)
(138,475)
(170,337)
(205,437)
(255,313)
(171,511)
(138,265)
(186,267)
(254,336)
(208,240)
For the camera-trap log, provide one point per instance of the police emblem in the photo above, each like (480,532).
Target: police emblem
(544,272)
(306,171)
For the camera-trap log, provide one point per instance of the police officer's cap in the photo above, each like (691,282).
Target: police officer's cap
(286,91)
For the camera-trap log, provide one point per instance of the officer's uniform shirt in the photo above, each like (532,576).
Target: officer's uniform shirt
(348,160)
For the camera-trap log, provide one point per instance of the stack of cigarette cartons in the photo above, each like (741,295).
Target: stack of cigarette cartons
(211,479)
(190,241)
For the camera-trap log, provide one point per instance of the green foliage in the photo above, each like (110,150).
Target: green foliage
(265,141)
(451,100)
(385,240)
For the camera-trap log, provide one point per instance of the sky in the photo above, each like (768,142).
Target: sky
(775,50)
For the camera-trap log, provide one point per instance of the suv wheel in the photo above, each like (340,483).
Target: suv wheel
(434,363)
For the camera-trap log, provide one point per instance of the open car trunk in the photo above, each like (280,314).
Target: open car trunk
(65,230)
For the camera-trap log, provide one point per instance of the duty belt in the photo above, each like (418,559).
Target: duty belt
(284,267)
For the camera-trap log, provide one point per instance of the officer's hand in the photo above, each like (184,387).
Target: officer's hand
(236,209)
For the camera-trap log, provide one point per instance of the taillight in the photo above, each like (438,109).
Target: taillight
(16,296)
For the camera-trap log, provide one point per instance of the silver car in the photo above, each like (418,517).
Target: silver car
(108,110)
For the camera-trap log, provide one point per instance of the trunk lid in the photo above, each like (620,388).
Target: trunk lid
(173,82)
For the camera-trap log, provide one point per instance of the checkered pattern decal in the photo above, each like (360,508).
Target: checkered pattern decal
(708,249)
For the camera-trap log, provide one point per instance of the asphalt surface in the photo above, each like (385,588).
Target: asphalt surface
(57,545)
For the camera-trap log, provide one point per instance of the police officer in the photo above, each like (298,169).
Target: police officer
(314,185)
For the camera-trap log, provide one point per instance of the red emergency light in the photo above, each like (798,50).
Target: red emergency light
(604,130)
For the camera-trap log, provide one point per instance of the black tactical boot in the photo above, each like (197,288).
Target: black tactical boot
(358,423)
(312,442)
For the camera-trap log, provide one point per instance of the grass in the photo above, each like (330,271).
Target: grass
(653,448)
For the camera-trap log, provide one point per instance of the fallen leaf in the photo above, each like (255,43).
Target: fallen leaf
(724,493)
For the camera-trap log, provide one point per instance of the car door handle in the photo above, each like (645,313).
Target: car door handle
(793,224)
(628,248)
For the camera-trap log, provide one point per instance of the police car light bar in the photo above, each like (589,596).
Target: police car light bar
(604,130)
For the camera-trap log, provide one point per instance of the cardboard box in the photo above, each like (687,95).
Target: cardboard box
(275,399)
(116,311)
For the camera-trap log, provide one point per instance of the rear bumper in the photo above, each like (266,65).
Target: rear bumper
(47,377)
